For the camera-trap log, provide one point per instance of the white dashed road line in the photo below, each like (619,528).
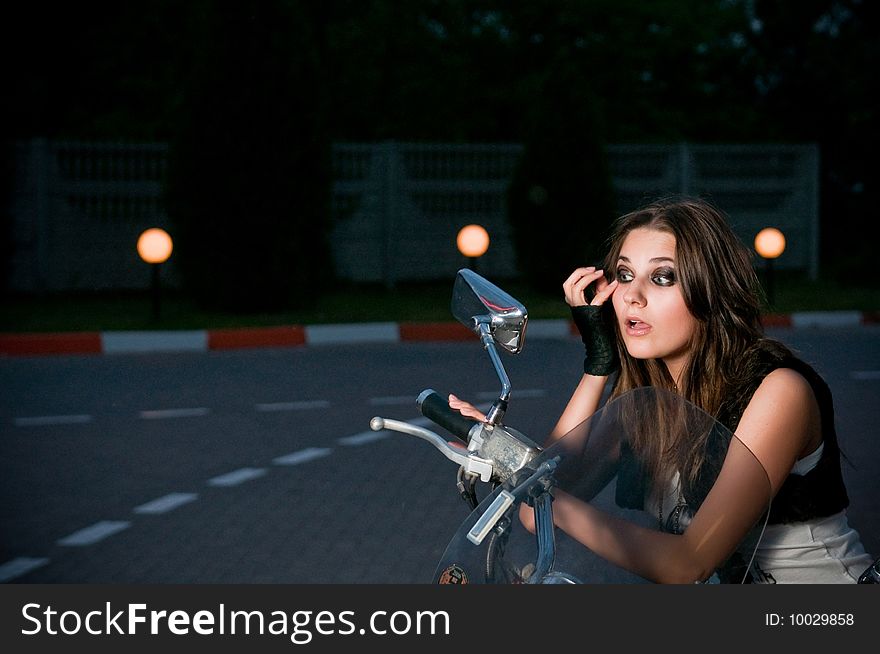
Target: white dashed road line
(174,413)
(364,437)
(293,406)
(97,532)
(18,567)
(237,477)
(166,503)
(295,458)
(37,421)
(865,375)
(100,530)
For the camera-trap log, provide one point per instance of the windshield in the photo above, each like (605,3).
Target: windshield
(647,462)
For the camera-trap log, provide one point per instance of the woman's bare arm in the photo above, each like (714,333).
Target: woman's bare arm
(779,423)
(583,403)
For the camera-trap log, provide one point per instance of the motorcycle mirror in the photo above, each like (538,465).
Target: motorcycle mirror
(476,301)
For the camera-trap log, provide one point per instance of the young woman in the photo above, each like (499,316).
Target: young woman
(677,308)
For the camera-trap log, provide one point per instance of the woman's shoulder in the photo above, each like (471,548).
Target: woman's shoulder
(786,385)
(770,351)
(765,358)
(771,356)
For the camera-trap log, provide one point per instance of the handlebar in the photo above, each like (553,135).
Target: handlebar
(436,409)
(471,463)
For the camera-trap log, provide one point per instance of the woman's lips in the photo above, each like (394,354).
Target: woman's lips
(636,327)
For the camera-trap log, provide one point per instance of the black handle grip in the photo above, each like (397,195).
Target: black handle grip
(436,409)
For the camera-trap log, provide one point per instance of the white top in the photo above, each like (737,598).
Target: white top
(803,466)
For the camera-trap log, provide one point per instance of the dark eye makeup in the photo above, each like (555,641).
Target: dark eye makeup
(661,277)
(623,275)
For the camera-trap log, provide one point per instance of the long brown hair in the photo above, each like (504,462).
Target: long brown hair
(720,289)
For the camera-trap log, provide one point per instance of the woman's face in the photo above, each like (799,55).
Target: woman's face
(654,321)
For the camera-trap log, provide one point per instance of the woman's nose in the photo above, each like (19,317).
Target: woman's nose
(633,294)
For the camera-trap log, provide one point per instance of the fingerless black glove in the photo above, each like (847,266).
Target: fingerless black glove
(598,337)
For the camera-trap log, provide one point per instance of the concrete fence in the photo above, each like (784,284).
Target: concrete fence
(78,207)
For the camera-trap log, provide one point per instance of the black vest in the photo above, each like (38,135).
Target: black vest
(820,492)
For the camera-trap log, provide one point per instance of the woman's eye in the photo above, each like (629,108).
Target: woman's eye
(663,277)
(624,275)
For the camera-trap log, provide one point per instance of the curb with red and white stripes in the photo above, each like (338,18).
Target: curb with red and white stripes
(203,340)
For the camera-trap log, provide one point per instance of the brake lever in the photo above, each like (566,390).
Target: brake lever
(471,463)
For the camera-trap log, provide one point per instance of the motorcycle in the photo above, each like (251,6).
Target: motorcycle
(613,461)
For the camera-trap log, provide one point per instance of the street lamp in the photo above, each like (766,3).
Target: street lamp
(154,247)
(769,243)
(472,242)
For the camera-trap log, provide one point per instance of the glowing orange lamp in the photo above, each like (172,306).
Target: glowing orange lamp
(154,246)
(769,243)
(472,242)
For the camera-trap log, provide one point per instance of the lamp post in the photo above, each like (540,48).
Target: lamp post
(472,242)
(154,247)
(769,243)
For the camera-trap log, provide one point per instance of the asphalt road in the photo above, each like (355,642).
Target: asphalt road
(258,466)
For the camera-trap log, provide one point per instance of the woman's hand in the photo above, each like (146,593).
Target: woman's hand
(575,287)
(596,330)
(466,408)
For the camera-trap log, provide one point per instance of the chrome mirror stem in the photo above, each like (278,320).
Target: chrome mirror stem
(496,412)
